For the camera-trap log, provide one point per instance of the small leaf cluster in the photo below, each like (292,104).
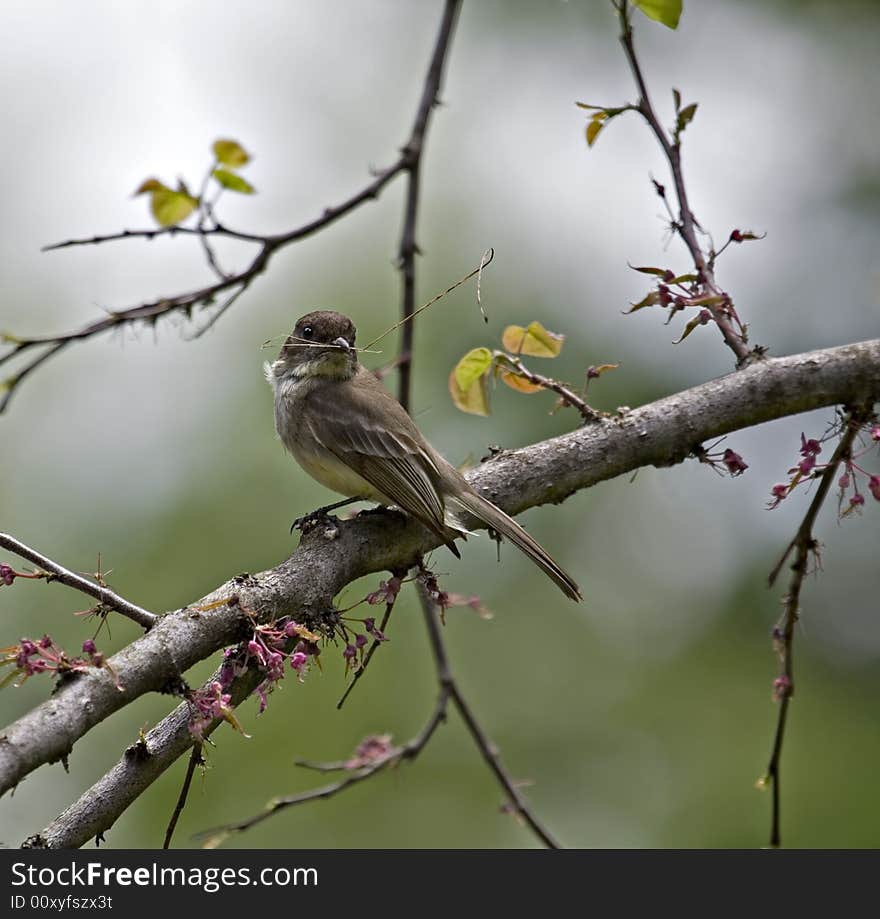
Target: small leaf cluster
(171,206)
(469,379)
(685,291)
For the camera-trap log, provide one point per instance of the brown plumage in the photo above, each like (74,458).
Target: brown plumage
(348,432)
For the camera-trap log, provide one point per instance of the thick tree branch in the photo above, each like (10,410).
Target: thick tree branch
(661,433)
(140,765)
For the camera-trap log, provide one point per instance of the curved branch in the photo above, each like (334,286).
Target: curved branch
(661,433)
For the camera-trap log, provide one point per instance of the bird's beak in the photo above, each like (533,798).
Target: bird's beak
(342,343)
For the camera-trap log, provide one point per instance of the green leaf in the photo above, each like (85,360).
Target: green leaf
(168,206)
(685,117)
(171,207)
(471,367)
(688,329)
(652,299)
(666,11)
(467,382)
(233,182)
(230,153)
(649,269)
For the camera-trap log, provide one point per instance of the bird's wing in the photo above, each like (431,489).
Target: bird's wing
(366,428)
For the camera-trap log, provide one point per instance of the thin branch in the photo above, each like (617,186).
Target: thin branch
(412,154)
(804,546)
(661,434)
(368,657)
(685,225)
(568,397)
(217,229)
(195,760)
(487,749)
(407,751)
(99,592)
(230,301)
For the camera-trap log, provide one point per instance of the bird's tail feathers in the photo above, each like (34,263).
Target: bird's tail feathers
(494,517)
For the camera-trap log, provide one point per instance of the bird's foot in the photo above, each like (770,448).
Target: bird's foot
(309,521)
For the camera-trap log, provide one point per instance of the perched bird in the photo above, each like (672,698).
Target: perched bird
(348,432)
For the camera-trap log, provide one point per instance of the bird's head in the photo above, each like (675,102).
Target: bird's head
(320,345)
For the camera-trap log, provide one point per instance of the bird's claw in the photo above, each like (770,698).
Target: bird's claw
(309,521)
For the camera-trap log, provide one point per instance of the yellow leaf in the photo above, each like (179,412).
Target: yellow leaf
(520,384)
(534,341)
(593,128)
(230,153)
(474,400)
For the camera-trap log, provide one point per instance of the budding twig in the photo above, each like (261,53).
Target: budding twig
(804,546)
(685,225)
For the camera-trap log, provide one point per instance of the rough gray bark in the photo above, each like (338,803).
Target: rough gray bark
(661,433)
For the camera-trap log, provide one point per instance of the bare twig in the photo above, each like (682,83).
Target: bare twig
(217,229)
(412,154)
(99,592)
(195,759)
(487,749)
(407,751)
(230,300)
(804,545)
(568,397)
(686,225)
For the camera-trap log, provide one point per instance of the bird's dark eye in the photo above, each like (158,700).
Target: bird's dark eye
(307,332)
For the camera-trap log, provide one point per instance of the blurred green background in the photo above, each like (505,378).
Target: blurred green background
(644,716)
